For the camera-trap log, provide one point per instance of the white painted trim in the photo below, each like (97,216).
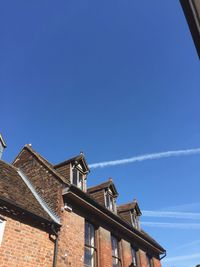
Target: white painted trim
(2,228)
(41,201)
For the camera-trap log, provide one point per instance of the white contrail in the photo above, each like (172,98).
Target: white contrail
(182,258)
(189,207)
(159,155)
(171,214)
(191,226)
(189,245)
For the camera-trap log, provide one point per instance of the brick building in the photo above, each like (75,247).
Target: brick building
(48,217)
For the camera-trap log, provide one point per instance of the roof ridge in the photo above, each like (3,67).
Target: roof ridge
(44,161)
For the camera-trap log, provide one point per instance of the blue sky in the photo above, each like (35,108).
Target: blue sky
(114,79)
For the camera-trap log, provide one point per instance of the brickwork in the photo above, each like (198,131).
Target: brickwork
(156,263)
(126,253)
(25,246)
(71,240)
(105,249)
(143,258)
(46,184)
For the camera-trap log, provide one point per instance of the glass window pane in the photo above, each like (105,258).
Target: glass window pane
(80,180)
(87,237)
(75,174)
(114,246)
(89,257)
(134,257)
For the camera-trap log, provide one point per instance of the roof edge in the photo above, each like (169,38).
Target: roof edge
(40,200)
(40,158)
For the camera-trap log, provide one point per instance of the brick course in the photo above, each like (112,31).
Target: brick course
(25,246)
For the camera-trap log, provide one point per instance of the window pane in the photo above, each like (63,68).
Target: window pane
(75,174)
(134,257)
(114,246)
(89,257)
(116,262)
(89,234)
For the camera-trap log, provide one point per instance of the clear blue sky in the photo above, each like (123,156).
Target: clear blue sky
(114,79)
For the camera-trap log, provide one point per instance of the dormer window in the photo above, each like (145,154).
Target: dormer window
(131,213)
(110,201)
(78,178)
(135,220)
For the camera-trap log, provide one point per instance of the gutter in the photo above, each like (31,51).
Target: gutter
(163,256)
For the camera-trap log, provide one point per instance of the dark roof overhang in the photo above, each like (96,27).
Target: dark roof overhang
(82,199)
(191,10)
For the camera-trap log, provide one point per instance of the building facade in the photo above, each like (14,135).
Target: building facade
(48,217)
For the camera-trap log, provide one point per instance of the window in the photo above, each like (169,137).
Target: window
(2,227)
(78,179)
(110,201)
(135,220)
(134,257)
(149,261)
(116,261)
(90,248)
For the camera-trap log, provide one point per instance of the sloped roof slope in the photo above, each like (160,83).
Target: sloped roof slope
(14,190)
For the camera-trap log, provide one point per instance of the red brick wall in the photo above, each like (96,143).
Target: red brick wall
(126,254)
(46,184)
(143,258)
(105,249)
(71,240)
(25,246)
(156,263)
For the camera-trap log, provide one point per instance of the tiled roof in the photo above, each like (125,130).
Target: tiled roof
(104,185)
(129,206)
(14,190)
(44,162)
(74,159)
(152,239)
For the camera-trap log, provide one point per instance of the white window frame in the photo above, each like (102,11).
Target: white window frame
(91,245)
(135,220)
(116,256)
(110,201)
(2,228)
(81,183)
(134,257)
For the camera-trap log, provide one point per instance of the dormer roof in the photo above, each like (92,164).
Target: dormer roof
(79,161)
(106,185)
(130,207)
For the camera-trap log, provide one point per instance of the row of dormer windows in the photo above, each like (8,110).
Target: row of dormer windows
(79,179)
